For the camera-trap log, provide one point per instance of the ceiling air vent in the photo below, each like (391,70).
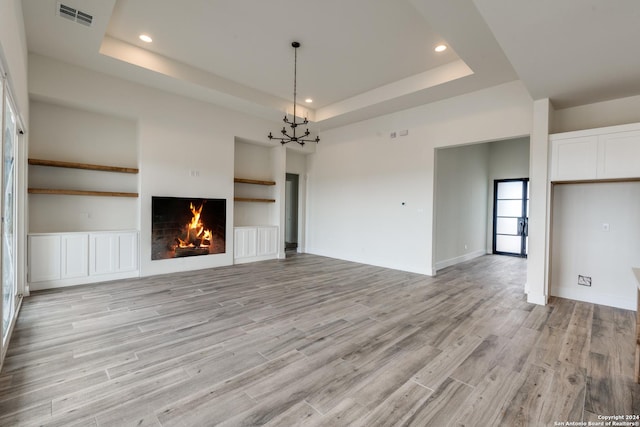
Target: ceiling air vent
(74,15)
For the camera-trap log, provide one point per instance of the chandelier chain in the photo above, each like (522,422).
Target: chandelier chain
(295,80)
(293,124)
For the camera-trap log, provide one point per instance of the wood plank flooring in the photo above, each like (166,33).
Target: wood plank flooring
(315,341)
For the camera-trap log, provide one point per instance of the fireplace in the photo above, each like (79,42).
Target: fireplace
(182,227)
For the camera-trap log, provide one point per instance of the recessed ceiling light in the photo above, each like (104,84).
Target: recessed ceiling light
(145,38)
(440,48)
(308,100)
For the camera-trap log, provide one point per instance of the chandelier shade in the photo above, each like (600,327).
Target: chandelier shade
(291,135)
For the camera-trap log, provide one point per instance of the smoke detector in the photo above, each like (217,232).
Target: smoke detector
(74,15)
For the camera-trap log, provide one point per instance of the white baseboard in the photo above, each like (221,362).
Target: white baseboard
(610,300)
(457,260)
(85,280)
(407,268)
(540,299)
(246,260)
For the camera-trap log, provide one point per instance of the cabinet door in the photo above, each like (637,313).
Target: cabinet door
(74,255)
(44,258)
(574,158)
(619,155)
(267,240)
(127,251)
(244,242)
(102,253)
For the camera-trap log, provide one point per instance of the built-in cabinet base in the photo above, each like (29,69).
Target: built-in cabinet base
(258,243)
(66,259)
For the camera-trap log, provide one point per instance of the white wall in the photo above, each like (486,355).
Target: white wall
(600,114)
(279,164)
(461,203)
(13,53)
(253,161)
(508,159)
(464,195)
(581,246)
(73,135)
(176,135)
(536,287)
(359,177)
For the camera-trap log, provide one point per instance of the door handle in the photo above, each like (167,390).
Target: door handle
(520,226)
(526,226)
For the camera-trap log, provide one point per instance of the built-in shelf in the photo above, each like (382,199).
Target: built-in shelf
(252,199)
(81,192)
(85,166)
(253,181)
(72,165)
(256,182)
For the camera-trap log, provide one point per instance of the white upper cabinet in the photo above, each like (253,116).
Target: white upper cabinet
(619,155)
(596,154)
(574,158)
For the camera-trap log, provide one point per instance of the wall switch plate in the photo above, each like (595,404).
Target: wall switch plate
(404,132)
(605,227)
(584,280)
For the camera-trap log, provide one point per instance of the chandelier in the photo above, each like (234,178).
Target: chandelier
(290,135)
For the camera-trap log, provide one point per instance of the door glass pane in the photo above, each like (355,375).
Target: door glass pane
(511,211)
(8,235)
(510,244)
(507,226)
(511,208)
(510,190)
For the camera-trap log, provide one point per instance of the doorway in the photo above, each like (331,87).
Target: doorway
(291,212)
(511,217)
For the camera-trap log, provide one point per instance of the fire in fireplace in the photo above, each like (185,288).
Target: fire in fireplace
(182,227)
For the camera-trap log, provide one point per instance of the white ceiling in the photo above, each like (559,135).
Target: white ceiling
(359,58)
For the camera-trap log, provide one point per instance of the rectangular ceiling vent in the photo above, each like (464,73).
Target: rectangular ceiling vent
(74,15)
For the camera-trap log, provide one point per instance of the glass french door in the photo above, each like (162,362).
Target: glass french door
(8,224)
(511,217)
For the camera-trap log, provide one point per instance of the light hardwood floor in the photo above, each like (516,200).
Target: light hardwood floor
(316,341)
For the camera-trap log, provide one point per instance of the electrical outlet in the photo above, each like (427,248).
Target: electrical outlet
(584,280)
(392,135)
